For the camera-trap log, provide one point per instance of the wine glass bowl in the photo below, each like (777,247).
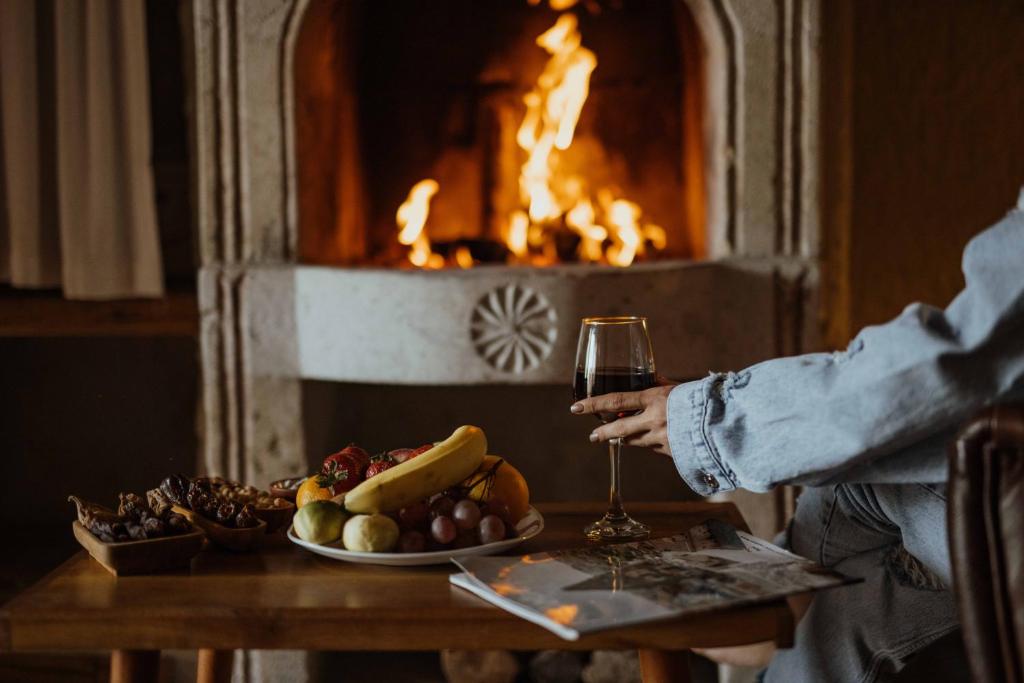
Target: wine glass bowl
(614,355)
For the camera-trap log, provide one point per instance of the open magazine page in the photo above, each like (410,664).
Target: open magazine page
(711,566)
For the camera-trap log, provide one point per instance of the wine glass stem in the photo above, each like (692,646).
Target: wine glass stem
(615,510)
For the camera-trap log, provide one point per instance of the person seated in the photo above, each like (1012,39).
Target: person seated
(865,431)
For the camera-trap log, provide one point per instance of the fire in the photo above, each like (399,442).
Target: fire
(610,228)
(518,234)
(552,111)
(412,219)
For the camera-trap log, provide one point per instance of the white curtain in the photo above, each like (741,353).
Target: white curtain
(76,182)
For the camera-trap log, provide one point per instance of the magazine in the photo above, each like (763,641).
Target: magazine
(579,591)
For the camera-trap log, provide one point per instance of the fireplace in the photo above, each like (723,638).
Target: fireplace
(317,323)
(304,156)
(499,133)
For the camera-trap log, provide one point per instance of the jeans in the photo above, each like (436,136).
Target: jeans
(866,632)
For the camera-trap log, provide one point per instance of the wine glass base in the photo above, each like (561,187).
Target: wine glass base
(610,528)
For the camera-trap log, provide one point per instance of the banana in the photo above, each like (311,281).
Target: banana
(444,465)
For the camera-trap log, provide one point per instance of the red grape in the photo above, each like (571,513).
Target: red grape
(466,514)
(412,542)
(413,516)
(496,506)
(441,506)
(492,529)
(443,529)
(467,538)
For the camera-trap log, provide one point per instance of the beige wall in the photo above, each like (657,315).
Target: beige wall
(924,146)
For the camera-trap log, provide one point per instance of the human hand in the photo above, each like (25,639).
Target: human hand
(646,429)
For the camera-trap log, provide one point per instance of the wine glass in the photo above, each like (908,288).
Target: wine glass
(614,354)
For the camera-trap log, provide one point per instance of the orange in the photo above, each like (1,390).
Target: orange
(310,491)
(507,484)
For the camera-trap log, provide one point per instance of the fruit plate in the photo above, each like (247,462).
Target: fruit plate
(528,527)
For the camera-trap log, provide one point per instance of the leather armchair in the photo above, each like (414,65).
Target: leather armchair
(986,536)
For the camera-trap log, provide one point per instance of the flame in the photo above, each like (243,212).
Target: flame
(552,111)
(518,232)
(557,5)
(592,236)
(610,230)
(623,216)
(563,614)
(412,218)
(463,258)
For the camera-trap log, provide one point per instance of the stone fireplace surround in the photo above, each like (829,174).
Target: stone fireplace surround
(268,322)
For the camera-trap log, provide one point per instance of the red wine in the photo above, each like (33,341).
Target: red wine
(610,380)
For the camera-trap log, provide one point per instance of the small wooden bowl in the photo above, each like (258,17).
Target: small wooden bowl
(142,557)
(287,488)
(277,518)
(238,540)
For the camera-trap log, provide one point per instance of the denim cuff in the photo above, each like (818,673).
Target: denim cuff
(695,459)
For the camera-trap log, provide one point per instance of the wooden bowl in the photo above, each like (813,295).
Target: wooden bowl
(238,540)
(142,557)
(277,518)
(287,488)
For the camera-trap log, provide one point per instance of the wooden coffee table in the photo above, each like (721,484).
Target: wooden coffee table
(285,598)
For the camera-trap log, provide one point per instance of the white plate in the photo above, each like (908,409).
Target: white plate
(528,527)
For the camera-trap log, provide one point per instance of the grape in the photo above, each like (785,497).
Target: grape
(441,506)
(492,529)
(412,542)
(467,538)
(466,514)
(413,516)
(443,529)
(496,506)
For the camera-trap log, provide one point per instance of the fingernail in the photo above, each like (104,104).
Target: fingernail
(594,436)
(576,408)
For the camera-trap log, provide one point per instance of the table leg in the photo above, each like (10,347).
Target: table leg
(134,666)
(214,666)
(665,666)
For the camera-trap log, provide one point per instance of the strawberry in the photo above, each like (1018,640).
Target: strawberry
(378,464)
(353,451)
(400,455)
(340,473)
(361,456)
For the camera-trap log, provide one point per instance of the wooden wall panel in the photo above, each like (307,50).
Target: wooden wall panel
(931,111)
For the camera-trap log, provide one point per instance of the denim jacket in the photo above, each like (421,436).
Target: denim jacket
(884,410)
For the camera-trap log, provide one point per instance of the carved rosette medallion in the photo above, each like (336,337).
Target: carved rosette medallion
(513,328)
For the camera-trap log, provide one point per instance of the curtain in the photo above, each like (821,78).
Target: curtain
(77,204)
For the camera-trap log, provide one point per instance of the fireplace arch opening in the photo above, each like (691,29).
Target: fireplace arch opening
(455,134)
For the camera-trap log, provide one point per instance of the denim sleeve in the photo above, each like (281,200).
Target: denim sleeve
(878,411)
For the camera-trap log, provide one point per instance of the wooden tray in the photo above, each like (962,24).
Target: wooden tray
(142,557)
(238,540)
(276,518)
